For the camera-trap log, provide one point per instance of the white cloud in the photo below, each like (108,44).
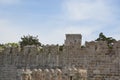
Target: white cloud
(82,10)
(99,12)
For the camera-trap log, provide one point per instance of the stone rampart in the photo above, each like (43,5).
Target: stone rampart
(100,61)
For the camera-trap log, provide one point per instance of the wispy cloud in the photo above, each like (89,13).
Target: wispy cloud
(99,13)
(84,10)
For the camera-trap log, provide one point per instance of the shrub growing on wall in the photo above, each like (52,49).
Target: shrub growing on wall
(29,40)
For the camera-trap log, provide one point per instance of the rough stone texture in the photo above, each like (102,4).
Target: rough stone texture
(57,74)
(8,72)
(100,62)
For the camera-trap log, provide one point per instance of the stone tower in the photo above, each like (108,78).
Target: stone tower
(73,40)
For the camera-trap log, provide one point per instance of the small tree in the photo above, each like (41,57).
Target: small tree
(29,40)
(109,40)
(102,37)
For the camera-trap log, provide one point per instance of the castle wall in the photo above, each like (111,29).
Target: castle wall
(96,58)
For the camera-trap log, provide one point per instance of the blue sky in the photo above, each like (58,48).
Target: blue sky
(52,19)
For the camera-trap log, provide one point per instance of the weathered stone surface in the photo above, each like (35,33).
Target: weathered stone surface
(54,74)
(96,58)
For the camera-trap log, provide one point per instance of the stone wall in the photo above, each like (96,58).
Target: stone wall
(97,58)
(8,72)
